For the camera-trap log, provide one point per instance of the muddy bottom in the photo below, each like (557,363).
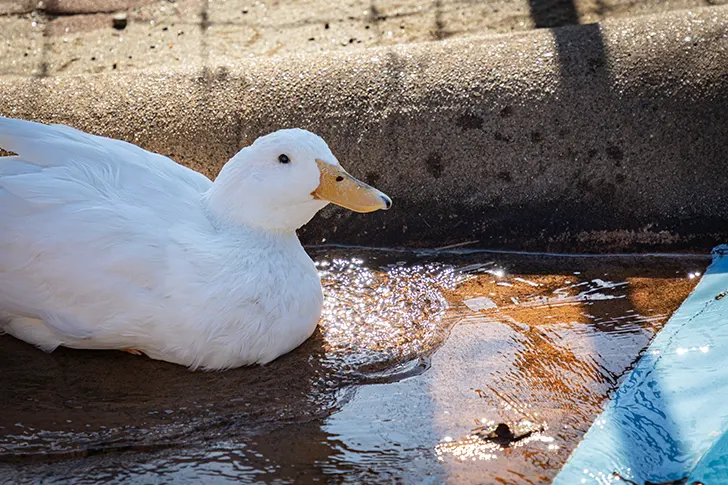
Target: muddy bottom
(427,368)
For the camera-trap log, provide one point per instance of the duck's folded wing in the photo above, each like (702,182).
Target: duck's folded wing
(85,223)
(111,168)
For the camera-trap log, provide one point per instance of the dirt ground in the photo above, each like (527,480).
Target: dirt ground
(67,36)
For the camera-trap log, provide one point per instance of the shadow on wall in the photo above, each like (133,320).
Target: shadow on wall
(585,81)
(553,13)
(583,60)
(570,43)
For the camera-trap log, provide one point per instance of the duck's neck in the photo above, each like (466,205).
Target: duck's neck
(226,215)
(234,203)
(255,234)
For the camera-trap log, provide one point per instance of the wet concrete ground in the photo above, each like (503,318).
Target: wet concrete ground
(419,357)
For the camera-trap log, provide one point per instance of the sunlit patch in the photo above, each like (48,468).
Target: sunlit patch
(479,303)
(374,316)
(683,350)
(485,443)
(525,298)
(469,448)
(528,282)
(594,290)
(498,273)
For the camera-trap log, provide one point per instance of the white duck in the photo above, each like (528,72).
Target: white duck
(104,245)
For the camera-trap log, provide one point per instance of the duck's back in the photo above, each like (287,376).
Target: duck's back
(84,226)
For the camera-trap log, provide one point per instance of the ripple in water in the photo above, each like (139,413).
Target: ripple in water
(374,317)
(483,444)
(538,350)
(375,325)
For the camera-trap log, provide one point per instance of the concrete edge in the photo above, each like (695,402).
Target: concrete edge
(595,138)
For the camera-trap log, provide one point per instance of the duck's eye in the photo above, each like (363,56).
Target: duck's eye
(283,158)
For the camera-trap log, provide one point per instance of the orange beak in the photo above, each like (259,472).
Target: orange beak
(340,188)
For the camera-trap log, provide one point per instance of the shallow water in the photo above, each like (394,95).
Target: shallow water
(418,358)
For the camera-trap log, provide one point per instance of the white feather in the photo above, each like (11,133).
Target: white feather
(105,245)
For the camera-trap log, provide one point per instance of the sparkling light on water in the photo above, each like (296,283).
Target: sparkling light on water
(374,316)
(475,447)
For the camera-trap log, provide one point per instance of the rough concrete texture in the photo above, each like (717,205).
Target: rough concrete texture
(46,37)
(596,137)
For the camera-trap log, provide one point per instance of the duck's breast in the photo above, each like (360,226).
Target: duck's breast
(237,305)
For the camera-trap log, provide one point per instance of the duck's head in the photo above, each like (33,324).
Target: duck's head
(283,179)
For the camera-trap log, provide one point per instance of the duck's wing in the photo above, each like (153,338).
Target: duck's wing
(110,167)
(85,222)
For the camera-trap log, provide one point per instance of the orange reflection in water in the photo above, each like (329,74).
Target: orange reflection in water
(563,343)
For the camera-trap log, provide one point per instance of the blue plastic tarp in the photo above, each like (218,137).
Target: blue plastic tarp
(668,420)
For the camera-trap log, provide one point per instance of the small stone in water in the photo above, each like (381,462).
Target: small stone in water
(503,435)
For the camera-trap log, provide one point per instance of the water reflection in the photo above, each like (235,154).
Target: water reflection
(487,441)
(271,458)
(539,343)
(547,349)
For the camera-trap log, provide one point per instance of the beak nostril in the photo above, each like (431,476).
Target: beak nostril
(339,178)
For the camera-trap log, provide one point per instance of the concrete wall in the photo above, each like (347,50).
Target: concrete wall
(596,137)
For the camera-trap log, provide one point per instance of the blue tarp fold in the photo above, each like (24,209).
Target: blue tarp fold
(669,419)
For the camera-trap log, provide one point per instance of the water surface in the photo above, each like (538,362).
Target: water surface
(418,358)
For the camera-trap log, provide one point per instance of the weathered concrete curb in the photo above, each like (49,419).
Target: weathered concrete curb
(589,138)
